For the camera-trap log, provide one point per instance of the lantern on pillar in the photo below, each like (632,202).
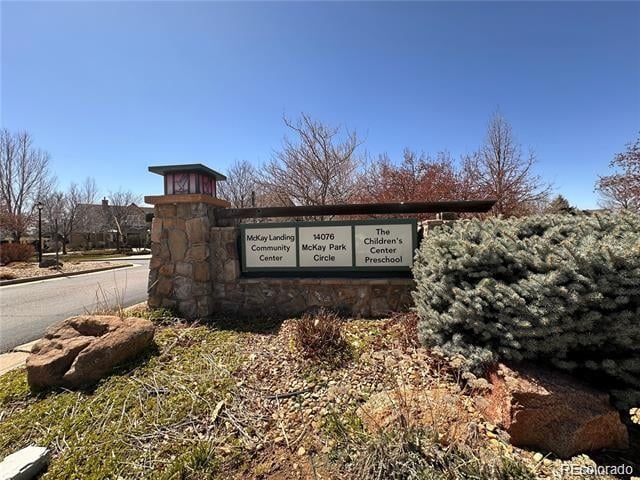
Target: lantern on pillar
(188,179)
(188,183)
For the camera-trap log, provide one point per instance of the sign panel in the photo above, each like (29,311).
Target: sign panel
(325,246)
(384,245)
(270,247)
(361,245)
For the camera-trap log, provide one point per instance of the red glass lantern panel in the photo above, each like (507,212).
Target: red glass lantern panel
(206,185)
(181,183)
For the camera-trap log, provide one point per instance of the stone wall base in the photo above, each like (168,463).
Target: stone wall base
(285,297)
(195,268)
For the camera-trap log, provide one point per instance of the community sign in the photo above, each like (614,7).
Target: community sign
(382,245)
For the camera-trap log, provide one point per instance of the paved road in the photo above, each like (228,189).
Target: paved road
(27,309)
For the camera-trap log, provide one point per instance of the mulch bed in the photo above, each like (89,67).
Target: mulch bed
(20,270)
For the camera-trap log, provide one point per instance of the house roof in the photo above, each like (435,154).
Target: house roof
(99,217)
(188,167)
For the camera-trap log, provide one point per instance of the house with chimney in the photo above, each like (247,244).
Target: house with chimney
(111,226)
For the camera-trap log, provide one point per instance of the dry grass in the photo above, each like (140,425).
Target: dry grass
(110,303)
(153,417)
(404,327)
(320,335)
(429,432)
(236,403)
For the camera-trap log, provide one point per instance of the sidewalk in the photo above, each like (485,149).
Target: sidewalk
(15,358)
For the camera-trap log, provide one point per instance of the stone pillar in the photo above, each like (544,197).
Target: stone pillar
(180,271)
(225,268)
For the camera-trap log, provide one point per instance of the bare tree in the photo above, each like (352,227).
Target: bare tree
(241,183)
(88,190)
(321,166)
(24,179)
(500,170)
(119,214)
(622,189)
(84,221)
(54,217)
(64,213)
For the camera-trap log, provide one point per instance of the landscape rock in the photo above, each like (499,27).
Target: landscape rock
(552,411)
(49,262)
(80,350)
(439,409)
(24,464)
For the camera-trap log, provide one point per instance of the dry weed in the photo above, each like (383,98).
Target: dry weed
(320,335)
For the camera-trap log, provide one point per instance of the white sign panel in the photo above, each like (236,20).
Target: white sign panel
(330,246)
(384,245)
(325,246)
(270,247)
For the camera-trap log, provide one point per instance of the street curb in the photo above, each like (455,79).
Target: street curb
(60,275)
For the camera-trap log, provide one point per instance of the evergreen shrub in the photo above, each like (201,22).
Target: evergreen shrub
(557,289)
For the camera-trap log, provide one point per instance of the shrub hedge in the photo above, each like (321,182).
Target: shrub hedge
(15,252)
(557,289)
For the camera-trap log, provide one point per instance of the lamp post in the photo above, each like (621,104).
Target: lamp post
(40,206)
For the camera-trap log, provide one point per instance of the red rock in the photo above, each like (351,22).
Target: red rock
(80,350)
(552,411)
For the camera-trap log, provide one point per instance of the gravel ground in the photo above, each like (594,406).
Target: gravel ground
(284,402)
(18,270)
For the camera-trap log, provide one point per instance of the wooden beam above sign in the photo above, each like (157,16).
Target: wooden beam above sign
(459,206)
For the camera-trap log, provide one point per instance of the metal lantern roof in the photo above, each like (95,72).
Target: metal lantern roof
(186,168)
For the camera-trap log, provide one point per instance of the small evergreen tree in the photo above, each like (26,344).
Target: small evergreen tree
(559,205)
(556,289)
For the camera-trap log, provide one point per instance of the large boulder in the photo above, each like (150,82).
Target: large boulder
(79,351)
(50,262)
(552,411)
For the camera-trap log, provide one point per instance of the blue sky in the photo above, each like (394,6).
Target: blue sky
(109,88)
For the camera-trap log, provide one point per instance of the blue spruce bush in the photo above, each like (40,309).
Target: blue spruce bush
(557,289)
